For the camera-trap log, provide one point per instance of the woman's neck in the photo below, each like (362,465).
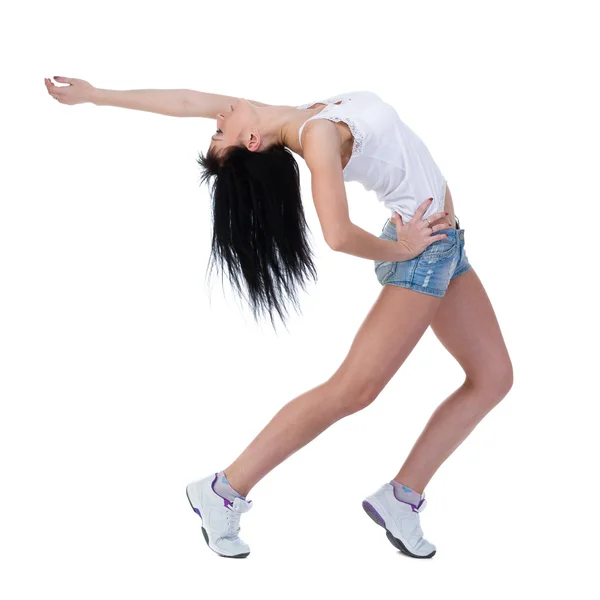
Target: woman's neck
(281,124)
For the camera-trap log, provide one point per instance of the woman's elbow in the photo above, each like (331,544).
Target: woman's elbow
(337,239)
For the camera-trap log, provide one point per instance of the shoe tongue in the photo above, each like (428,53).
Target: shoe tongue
(240,505)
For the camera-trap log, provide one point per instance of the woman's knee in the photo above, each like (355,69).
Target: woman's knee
(351,394)
(495,381)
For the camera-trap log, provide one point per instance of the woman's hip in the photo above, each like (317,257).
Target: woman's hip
(431,271)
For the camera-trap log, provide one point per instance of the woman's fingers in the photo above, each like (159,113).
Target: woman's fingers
(426,223)
(423,208)
(50,86)
(437,215)
(52,89)
(435,238)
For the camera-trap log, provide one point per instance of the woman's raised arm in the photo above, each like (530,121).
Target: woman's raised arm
(173,103)
(207,105)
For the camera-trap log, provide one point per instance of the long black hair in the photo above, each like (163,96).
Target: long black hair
(260,232)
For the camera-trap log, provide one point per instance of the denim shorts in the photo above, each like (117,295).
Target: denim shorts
(431,271)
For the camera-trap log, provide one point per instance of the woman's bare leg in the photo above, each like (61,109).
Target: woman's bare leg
(466,325)
(387,336)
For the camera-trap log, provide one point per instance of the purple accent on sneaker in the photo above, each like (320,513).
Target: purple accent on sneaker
(225,501)
(197,512)
(373,513)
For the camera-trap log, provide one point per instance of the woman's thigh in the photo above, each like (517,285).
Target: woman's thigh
(384,340)
(466,324)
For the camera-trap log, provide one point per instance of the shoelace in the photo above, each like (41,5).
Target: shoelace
(417,529)
(233,513)
(233,522)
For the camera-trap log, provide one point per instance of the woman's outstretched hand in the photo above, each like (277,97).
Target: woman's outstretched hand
(77,92)
(416,236)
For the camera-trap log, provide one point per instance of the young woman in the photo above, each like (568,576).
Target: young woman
(259,235)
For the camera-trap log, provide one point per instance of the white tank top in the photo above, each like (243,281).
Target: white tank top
(387,156)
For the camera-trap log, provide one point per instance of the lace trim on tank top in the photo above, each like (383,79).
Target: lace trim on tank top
(330,103)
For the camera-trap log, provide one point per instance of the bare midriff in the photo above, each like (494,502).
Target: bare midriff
(346,152)
(449,207)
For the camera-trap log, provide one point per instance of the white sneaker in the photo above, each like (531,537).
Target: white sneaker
(400,521)
(220,517)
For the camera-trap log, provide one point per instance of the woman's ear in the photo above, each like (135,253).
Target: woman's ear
(255,141)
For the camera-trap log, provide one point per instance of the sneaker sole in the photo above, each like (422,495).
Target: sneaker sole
(197,511)
(375,516)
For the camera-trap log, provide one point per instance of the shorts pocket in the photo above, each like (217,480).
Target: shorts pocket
(384,270)
(440,251)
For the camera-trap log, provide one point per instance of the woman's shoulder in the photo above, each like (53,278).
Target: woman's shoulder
(356,94)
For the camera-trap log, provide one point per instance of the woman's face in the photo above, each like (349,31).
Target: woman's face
(233,126)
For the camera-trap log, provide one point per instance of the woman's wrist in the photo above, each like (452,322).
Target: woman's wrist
(358,242)
(401,252)
(165,102)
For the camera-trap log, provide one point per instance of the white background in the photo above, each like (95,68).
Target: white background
(122,377)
